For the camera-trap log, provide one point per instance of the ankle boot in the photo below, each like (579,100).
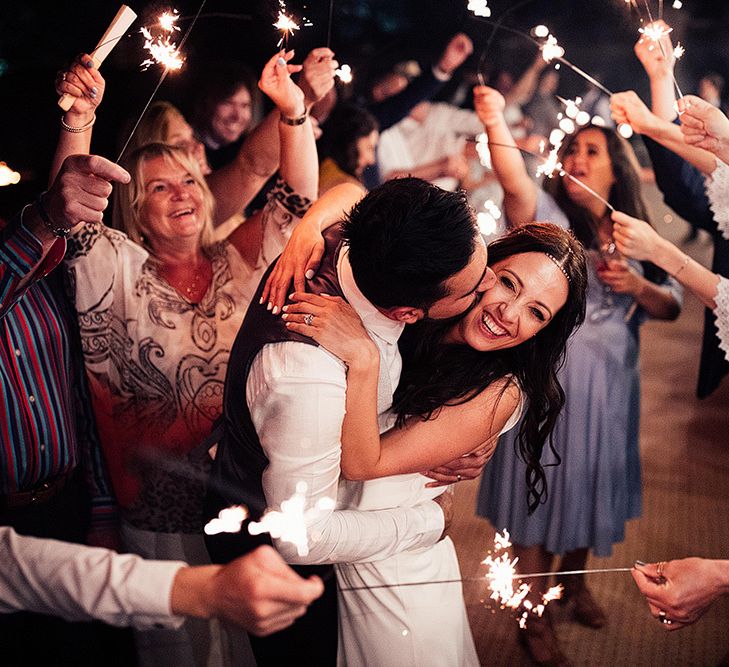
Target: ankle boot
(541,643)
(585,609)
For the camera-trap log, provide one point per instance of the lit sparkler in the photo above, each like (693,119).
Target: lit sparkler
(655,32)
(488,219)
(482,149)
(7,175)
(678,51)
(229,520)
(479,7)
(551,50)
(286,24)
(344,74)
(677,4)
(160,46)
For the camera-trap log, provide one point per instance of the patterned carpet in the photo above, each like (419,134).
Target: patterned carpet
(685,456)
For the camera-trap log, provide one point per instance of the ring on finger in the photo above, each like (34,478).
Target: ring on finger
(662,618)
(308,319)
(459,478)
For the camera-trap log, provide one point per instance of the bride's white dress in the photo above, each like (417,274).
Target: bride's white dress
(402,626)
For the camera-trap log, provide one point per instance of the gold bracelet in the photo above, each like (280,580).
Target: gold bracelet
(83,128)
(686,259)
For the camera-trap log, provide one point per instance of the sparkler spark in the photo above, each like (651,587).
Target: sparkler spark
(229,520)
(551,50)
(655,32)
(344,74)
(488,224)
(678,51)
(286,25)
(479,7)
(289,524)
(482,149)
(677,4)
(160,46)
(7,175)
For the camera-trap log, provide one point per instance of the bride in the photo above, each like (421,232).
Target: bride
(452,400)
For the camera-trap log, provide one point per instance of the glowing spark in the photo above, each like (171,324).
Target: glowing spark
(551,163)
(7,175)
(488,224)
(567,125)
(344,74)
(551,49)
(599,121)
(161,48)
(677,4)
(482,149)
(286,25)
(540,31)
(289,524)
(572,107)
(625,131)
(479,7)
(654,32)
(229,520)
(168,21)
(582,118)
(678,51)
(500,577)
(556,136)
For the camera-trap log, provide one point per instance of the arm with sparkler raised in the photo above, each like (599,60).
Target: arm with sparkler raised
(419,445)
(520,192)
(627,107)
(657,57)
(83,86)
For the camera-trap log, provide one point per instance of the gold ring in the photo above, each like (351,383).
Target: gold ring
(459,478)
(663,618)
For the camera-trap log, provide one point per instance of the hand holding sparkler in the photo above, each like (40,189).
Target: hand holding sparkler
(680,591)
(457,50)
(655,50)
(628,108)
(317,77)
(277,84)
(82,86)
(489,105)
(705,126)
(635,238)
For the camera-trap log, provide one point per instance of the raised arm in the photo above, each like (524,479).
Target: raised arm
(84,82)
(637,239)
(705,126)
(658,61)
(420,445)
(628,108)
(520,191)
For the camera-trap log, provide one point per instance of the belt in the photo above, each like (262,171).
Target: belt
(42,494)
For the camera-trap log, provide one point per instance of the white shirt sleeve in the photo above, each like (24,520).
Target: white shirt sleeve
(721,312)
(80,583)
(296,397)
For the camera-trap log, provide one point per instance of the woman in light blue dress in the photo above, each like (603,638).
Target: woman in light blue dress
(593,485)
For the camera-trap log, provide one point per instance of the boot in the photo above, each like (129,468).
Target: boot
(585,609)
(541,643)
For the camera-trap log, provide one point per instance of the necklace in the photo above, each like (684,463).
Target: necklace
(188,285)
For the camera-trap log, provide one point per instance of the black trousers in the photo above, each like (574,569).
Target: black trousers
(312,640)
(30,640)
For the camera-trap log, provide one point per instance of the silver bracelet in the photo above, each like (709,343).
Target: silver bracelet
(83,128)
(299,120)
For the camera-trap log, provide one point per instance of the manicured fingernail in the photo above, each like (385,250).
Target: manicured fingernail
(309,274)
(288,324)
(285,308)
(269,306)
(281,61)
(291,296)
(260,301)
(275,310)
(639,563)
(284,316)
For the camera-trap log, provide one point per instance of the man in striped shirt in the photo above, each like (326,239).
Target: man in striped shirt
(52,479)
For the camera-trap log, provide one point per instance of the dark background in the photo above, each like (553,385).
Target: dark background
(38,38)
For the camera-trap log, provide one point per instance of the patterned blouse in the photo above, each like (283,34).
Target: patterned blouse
(156,362)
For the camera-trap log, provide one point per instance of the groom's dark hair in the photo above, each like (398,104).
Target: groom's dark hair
(406,238)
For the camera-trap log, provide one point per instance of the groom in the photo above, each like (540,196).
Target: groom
(408,250)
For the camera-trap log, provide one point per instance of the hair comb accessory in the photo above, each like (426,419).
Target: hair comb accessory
(559,265)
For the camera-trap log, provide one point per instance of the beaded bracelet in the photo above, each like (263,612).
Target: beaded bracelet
(83,128)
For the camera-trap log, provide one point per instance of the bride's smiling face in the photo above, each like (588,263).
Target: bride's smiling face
(529,291)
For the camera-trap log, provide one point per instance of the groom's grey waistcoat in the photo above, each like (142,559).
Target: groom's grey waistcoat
(240,460)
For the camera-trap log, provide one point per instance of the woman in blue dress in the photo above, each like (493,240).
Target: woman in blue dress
(592,486)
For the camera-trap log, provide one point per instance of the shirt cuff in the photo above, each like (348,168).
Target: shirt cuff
(432,526)
(150,587)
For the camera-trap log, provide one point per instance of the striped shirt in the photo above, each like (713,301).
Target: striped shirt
(46,427)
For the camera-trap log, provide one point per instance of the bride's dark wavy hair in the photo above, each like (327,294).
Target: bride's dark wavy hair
(436,373)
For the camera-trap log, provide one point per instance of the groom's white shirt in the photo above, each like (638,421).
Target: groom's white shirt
(296,397)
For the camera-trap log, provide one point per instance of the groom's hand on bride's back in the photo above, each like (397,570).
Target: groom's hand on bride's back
(445,500)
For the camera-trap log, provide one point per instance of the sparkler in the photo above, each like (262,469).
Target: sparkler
(344,74)
(229,520)
(479,7)
(162,77)
(488,219)
(286,24)
(161,48)
(7,175)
